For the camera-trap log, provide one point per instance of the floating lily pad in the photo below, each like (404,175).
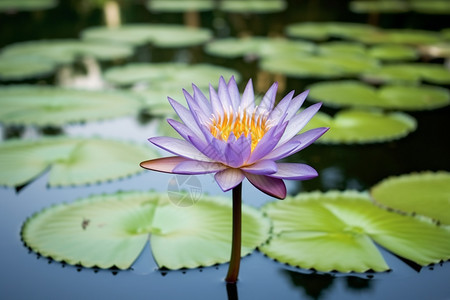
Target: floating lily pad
(72,161)
(362,126)
(321,66)
(425,193)
(440,50)
(355,93)
(66,51)
(23,67)
(393,52)
(413,37)
(45,105)
(323,30)
(253,6)
(168,75)
(338,231)
(341,47)
(111,230)
(26,5)
(446,33)
(409,73)
(166,36)
(257,46)
(180,5)
(435,7)
(383,6)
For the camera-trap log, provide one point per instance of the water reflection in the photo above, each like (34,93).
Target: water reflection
(232,291)
(316,285)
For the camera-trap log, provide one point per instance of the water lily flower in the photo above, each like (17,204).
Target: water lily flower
(234,138)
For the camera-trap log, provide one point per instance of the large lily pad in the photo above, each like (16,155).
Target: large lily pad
(111,230)
(425,193)
(393,52)
(66,51)
(337,231)
(318,66)
(253,6)
(409,73)
(435,7)
(324,30)
(23,67)
(383,6)
(257,46)
(45,105)
(180,5)
(72,161)
(26,5)
(362,126)
(167,75)
(413,37)
(355,93)
(166,36)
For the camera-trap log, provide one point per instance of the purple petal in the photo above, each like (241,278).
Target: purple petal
(191,167)
(233,155)
(229,178)
(200,116)
(185,116)
(202,100)
(248,98)
(296,144)
(182,129)
(234,92)
(281,108)
(206,147)
(268,100)
(165,164)
(215,102)
(267,143)
(178,147)
(271,186)
(294,171)
(262,167)
(295,104)
(224,96)
(298,122)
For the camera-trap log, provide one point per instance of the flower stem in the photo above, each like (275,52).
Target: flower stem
(235,259)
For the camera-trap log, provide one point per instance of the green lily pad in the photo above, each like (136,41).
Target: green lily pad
(359,94)
(72,161)
(393,52)
(425,193)
(383,6)
(45,105)
(253,6)
(168,75)
(341,47)
(320,66)
(179,5)
(111,230)
(257,46)
(409,73)
(165,36)
(319,31)
(66,51)
(362,126)
(435,7)
(26,5)
(446,33)
(24,67)
(440,50)
(338,231)
(413,37)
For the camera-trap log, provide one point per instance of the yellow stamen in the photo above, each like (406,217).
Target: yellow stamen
(240,123)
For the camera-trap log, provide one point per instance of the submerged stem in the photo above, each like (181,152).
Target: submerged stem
(235,259)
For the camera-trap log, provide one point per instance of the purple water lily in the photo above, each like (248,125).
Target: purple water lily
(231,136)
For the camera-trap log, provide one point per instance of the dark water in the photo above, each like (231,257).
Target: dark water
(25,275)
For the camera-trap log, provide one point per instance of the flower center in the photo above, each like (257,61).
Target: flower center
(240,123)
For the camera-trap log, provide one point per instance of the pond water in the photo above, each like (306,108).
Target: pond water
(26,275)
